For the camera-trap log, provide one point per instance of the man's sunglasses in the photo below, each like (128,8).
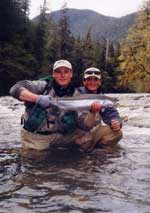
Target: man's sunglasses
(90,72)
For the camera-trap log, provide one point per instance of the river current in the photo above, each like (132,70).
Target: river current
(105,180)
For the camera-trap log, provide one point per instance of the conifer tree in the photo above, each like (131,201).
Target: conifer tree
(10,20)
(25,7)
(78,61)
(89,50)
(40,37)
(52,47)
(16,60)
(66,39)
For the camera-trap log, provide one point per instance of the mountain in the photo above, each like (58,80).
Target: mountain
(101,26)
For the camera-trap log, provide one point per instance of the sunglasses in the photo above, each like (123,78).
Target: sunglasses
(90,72)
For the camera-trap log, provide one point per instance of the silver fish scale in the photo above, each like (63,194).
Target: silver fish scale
(83,102)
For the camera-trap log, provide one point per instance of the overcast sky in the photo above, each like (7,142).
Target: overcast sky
(115,8)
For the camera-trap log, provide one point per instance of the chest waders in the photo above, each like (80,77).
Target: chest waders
(66,121)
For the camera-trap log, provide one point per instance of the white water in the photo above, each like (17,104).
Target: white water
(115,180)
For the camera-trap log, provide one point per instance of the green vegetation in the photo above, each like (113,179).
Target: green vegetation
(16,44)
(29,48)
(135,54)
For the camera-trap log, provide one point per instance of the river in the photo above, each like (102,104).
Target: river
(105,180)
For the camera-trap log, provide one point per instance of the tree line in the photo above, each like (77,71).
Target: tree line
(28,49)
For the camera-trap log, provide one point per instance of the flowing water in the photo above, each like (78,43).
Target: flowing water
(106,180)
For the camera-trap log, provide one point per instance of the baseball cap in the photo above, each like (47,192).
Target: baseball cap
(92,72)
(62,63)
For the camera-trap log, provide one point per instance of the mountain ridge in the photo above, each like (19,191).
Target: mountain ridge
(102,26)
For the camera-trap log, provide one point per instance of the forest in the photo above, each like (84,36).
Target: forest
(28,49)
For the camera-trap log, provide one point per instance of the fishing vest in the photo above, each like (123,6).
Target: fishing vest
(37,114)
(55,119)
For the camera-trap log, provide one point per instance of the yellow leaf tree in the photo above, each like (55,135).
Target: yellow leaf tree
(135,54)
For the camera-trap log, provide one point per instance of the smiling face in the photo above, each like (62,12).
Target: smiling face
(92,84)
(62,76)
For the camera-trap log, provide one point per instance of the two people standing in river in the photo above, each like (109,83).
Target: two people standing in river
(45,125)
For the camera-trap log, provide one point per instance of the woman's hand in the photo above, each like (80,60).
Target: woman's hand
(96,107)
(115,125)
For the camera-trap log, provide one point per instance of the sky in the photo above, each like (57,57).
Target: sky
(115,8)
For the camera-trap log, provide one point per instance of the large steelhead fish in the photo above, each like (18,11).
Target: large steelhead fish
(83,102)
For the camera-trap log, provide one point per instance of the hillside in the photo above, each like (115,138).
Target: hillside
(101,26)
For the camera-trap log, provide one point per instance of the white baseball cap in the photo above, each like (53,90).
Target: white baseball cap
(92,72)
(62,63)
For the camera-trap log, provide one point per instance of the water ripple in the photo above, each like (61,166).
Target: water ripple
(106,180)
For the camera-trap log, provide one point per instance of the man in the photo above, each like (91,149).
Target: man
(44,123)
(108,134)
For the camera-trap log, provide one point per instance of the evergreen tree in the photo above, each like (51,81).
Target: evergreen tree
(40,37)
(100,52)
(16,60)
(53,40)
(110,80)
(10,20)
(106,60)
(60,42)
(78,61)
(25,7)
(66,39)
(89,51)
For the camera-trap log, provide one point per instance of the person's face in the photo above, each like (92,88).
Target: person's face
(62,76)
(92,84)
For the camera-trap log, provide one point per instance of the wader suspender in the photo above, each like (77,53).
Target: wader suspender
(48,87)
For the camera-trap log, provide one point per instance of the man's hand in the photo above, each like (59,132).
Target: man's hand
(96,107)
(115,125)
(44,101)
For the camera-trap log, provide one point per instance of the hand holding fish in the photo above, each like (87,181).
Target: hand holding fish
(115,125)
(96,107)
(44,101)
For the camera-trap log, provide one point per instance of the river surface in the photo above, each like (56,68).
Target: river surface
(105,180)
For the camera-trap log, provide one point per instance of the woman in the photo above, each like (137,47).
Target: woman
(110,133)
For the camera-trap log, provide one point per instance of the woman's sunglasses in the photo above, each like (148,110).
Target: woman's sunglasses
(90,72)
